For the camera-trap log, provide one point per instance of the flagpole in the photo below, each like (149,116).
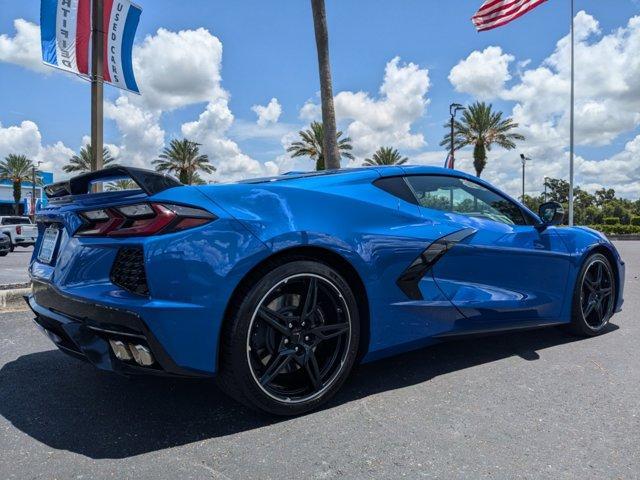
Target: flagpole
(572,120)
(97,84)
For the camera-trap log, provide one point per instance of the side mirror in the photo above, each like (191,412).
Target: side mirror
(551,213)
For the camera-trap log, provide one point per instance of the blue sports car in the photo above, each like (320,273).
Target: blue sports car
(278,286)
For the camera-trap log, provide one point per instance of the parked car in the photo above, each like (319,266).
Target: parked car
(20,230)
(278,286)
(5,245)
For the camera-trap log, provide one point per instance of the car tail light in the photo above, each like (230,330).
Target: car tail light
(142,219)
(19,230)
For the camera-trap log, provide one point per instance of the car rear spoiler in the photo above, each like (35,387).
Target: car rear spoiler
(149,181)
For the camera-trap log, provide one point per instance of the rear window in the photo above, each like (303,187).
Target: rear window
(16,221)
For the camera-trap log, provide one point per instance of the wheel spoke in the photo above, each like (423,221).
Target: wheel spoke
(274,320)
(589,309)
(325,332)
(598,274)
(311,366)
(606,291)
(276,365)
(599,310)
(310,299)
(590,285)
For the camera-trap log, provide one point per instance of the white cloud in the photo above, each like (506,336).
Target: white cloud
(310,111)
(175,69)
(482,74)
(607,106)
(385,120)
(268,114)
(141,135)
(24,47)
(26,139)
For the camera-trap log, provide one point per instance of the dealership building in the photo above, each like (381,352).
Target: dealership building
(6,195)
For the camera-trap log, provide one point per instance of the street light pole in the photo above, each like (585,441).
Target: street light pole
(33,191)
(453,109)
(524,164)
(97,84)
(572,114)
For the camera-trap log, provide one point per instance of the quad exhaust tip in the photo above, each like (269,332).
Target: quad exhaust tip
(128,352)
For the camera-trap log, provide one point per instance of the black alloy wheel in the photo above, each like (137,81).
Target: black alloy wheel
(595,296)
(299,338)
(300,332)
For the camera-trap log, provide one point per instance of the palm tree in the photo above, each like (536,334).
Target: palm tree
(17,169)
(82,163)
(330,145)
(183,159)
(312,145)
(385,156)
(122,184)
(482,127)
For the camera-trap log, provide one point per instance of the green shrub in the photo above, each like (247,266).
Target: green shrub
(635,221)
(611,220)
(617,229)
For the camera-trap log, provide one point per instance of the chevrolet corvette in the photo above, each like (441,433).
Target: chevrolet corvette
(277,287)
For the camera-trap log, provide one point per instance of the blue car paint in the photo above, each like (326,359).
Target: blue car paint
(499,278)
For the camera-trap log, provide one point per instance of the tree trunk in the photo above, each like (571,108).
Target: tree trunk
(17,193)
(330,142)
(479,157)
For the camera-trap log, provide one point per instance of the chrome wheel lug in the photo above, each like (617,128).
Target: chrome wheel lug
(306,339)
(286,341)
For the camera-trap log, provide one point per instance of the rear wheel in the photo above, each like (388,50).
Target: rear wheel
(291,341)
(594,297)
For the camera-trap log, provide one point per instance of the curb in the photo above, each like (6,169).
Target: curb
(624,237)
(12,299)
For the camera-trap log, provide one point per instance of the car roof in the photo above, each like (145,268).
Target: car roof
(382,170)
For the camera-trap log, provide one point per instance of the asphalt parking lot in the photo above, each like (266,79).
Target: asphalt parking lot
(538,404)
(13,267)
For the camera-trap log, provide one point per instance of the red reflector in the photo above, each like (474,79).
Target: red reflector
(19,230)
(191,222)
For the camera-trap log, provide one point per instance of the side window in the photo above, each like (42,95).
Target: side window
(458,195)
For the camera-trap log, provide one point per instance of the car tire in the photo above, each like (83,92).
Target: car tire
(290,338)
(12,248)
(4,254)
(594,297)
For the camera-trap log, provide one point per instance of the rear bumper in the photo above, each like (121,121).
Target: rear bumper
(25,240)
(83,330)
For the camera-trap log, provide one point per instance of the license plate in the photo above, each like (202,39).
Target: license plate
(48,246)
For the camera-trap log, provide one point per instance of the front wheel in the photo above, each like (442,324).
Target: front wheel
(594,297)
(291,340)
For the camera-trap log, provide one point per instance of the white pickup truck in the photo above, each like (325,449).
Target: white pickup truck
(20,230)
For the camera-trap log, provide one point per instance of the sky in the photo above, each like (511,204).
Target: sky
(241,79)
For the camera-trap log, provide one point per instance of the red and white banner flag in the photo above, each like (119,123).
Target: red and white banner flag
(496,13)
(65,27)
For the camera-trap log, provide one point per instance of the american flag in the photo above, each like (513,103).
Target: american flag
(495,13)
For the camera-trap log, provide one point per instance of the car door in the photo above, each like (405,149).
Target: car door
(500,270)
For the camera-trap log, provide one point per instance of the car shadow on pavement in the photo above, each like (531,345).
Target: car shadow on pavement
(68,405)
